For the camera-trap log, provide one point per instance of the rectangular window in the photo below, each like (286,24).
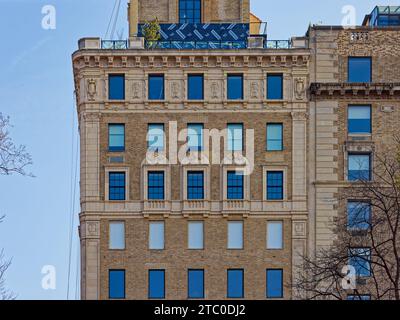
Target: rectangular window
(275,235)
(156,235)
(235,284)
(274,283)
(358,215)
(360,259)
(196,284)
(156,284)
(116,137)
(117,236)
(274,185)
(360,69)
(359,119)
(155,137)
(155,181)
(195,87)
(116,285)
(235,137)
(235,235)
(235,87)
(116,186)
(195,137)
(363,297)
(274,137)
(190,11)
(116,87)
(275,87)
(156,87)
(195,185)
(235,185)
(359,167)
(196,235)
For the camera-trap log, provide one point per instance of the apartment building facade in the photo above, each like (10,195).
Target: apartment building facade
(291,118)
(158,228)
(354,118)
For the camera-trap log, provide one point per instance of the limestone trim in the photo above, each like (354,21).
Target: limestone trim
(275,168)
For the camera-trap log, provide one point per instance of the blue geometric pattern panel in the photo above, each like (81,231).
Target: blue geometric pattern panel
(213,35)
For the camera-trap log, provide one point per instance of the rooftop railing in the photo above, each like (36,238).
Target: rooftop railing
(260,43)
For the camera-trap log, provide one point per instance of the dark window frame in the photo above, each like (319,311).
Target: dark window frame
(111,75)
(110,173)
(275,75)
(192,19)
(227,284)
(148,284)
(109,287)
(148,130)
(348,119)
(116,149)
(282,144)
(188,86)
(266,284)
(154,75)
(155,187)
(233,136)
(355,58)
(359,154)
(201,147)
(195,187)
(230,172)
(282,173)
(188,286)
(239,75)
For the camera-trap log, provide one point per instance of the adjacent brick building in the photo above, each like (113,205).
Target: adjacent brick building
(155,228)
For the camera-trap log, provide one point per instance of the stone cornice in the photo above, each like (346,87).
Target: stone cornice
(190,59)
(318,90)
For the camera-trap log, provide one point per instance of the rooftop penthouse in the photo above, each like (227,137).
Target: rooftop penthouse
(194,25)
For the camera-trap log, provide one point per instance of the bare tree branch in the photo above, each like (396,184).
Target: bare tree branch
(371,244)
(13,159)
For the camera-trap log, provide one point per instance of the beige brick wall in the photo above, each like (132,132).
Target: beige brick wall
(167,11)
(137,259)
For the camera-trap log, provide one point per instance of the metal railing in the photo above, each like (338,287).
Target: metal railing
(115,44)
(194,45)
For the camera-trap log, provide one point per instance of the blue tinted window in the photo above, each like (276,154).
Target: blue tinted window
(359,215)
(275,87)
(235,137)
(235,284)
(359,69)
(116,137)
(274,283)
(156,87)
(195,87)
(117,186)
(359,119)
(274,137)
(155,137)
(156,284)
(196,284)
(116,87)
(155,184)
(235,87)
(189,11)
(235,186)
(360,259)
(195,137)
(362,297)
(116,286)
(359,167)
(195,185)
(275,185)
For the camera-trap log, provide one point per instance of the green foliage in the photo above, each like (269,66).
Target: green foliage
(151,32)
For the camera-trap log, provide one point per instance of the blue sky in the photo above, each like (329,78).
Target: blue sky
(36,91)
